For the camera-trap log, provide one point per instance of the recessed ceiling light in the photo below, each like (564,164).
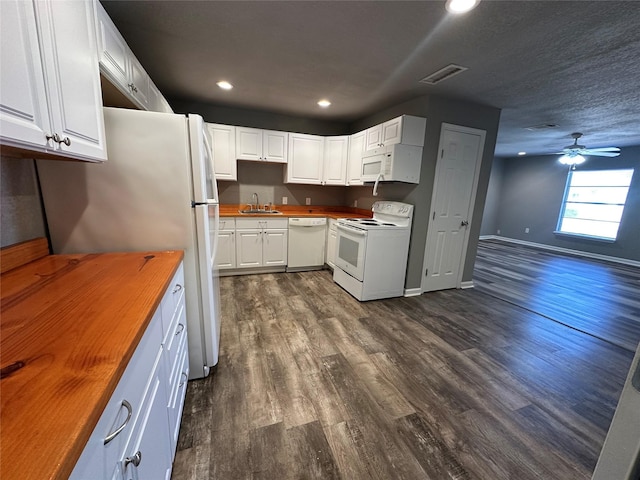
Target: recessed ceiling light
(461,6)
(522,153)
(324,103)
(224,85)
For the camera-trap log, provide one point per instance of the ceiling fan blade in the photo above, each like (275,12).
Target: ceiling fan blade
(604,149)
(596,153)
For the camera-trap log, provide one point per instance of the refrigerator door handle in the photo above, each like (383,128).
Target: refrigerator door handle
(208,201)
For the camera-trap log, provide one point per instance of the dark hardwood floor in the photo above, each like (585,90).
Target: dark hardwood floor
(596,297)
(312,384)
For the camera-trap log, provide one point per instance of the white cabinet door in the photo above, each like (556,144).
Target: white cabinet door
(148,456)
(275,146)
(24,114)
(54,92)
(223,141)
(248,248)
(72,74)
(274,247)
(336,153)
(113,50)
(374,137)
(306,157)
(226,255)
(139,82)
(248,143)
(354,162)
(392,131)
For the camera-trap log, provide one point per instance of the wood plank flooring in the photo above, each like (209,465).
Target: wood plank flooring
(312,384)
(596,297)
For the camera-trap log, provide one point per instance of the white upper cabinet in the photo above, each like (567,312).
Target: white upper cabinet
(336,153)
(223,140)
(50,100)
(406,129)
(261,145)
(120,66)
(354,162)
(306,158)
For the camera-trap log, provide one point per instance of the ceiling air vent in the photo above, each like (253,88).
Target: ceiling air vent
(442,74)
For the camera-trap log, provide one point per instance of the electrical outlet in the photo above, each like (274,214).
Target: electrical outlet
(526,230)
(285,200)
(498,232)
(355,203)
(308,201)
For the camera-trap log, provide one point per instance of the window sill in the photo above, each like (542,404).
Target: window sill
(585,237)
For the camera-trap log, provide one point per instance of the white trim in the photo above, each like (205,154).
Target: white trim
(467,284)
(580,253)
(412,292)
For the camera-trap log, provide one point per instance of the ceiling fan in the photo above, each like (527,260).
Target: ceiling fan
(575,150)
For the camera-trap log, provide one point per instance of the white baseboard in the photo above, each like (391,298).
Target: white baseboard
(580,253)
(412,292)
(467,284)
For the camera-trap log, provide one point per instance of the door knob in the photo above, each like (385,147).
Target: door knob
(464,223)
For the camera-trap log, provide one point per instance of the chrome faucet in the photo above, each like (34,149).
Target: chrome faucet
(254,198)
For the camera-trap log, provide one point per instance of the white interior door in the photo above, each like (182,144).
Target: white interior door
(452,206)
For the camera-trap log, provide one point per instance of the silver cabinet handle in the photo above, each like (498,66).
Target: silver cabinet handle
(186,377)
(55,137)
(136,459)
(66,141)
(177,288)
(115,433)
(180,329)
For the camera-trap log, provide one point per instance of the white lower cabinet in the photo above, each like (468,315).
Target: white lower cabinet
(261,242)
(332,240)
(226,254)
(135,438)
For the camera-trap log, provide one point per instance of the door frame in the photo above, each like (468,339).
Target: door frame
(472,201)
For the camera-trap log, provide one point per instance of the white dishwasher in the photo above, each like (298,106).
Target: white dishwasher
(307,238)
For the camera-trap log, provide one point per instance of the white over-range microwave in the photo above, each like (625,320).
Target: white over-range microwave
(392,163)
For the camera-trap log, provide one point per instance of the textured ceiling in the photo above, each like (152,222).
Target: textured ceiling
(575,64)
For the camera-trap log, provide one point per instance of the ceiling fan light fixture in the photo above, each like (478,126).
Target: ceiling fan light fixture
(460,6)
(571,159)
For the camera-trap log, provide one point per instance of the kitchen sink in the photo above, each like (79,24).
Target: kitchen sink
(260,211)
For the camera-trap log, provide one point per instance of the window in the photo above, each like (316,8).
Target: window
(593,203)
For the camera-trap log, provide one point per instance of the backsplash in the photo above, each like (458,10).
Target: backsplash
(266,179)
(21,216)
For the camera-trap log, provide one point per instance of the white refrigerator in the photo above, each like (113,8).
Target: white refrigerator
(156,191)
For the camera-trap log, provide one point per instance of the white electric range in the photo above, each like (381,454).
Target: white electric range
(371,253)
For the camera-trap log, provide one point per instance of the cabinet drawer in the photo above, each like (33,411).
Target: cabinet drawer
(98,460)
(258,223)
(177,396)
(171,301)
(175,342)
(227,223)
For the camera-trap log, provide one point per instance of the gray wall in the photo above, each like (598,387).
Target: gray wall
(489,224)
(531,195)
(21,216)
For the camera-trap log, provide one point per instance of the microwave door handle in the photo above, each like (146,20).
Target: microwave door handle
(375,185)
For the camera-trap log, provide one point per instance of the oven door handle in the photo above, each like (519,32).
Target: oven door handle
(354,231)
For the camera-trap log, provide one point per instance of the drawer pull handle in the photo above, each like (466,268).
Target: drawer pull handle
(136,459)
(180,328)
(177,288)
(186,378)
(115,433)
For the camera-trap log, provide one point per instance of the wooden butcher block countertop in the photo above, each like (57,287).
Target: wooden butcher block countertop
(228,210)
(69,326)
